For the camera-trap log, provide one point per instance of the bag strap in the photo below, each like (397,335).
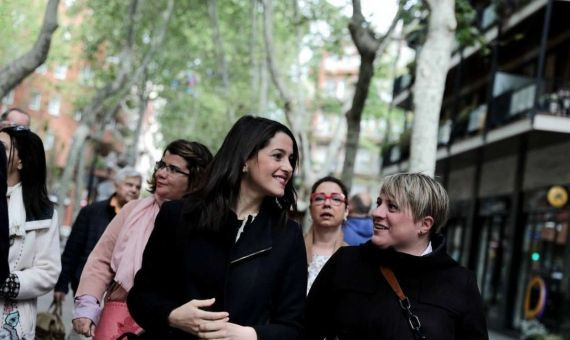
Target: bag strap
(413,319)
(56,307)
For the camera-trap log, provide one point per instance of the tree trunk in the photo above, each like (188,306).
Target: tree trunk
(143,101)
(79,137)
(79,182)
(221,55)
(253,55)
(18,69)
(368,47)
(291,108)
(101,106)
(431,72)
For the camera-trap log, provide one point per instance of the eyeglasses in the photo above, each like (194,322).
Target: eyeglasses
(171,169)
(319,198)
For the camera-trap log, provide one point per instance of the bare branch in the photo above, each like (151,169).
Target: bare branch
(18,69)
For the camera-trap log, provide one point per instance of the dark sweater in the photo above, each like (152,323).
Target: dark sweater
(350,298)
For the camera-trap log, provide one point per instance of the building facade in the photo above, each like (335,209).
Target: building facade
(504,157)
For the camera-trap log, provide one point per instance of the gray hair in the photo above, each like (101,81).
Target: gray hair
(419,193)
(125,172)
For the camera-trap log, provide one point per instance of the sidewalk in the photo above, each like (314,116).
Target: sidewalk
(497,336)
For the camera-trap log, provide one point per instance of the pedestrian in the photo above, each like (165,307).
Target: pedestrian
(227,263)
(356,297)
(113,263)
(328,208)
(90,225)
(34,256)
(15,117)
(4,228)
(358,226)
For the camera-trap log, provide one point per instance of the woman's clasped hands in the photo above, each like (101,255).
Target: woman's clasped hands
(191,318)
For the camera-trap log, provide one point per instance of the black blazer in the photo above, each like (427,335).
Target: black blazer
(87,229)
(4,233)
(350,298)
(260,280)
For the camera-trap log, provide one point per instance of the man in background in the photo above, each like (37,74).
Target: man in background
(90,224)
(14,116)
(358,226)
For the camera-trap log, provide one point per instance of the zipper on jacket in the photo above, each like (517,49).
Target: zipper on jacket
(251,255)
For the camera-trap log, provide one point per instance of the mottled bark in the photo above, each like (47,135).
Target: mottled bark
(431,72)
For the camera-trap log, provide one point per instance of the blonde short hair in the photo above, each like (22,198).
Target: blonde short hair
(421,194)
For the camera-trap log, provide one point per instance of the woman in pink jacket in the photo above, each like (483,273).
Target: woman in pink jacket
(110,269)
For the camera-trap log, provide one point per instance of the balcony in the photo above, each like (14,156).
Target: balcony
(511,112)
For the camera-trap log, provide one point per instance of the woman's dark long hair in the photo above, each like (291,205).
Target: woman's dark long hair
(220,190)
(33,173)
(197,157)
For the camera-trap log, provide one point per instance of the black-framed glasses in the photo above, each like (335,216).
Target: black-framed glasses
(319,198)
(171,169)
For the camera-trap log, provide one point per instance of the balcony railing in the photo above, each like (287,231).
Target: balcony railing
(514,104)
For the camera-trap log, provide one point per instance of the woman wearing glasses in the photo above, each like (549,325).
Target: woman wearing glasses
(226,263)
(34,257)
(110,269)
(328,211)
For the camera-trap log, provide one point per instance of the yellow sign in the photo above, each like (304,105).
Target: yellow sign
(557,196)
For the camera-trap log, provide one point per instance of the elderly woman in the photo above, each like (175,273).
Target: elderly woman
(356,295)
(328,212)
(110,269)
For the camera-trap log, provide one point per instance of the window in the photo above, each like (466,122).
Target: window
(35,101)
(85,75)
(54,105)
(60,72)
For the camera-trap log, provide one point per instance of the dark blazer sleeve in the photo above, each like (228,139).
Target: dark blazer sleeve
(472,324)
(154,294)
(286,321)
(320,301)
(73,248)
(4,233)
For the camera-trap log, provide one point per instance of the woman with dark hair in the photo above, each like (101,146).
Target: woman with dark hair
(111,267)
(4,229)
(329,208)
(401,284)
(34,256)
(227,263)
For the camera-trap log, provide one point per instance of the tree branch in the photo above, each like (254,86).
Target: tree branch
(14,72)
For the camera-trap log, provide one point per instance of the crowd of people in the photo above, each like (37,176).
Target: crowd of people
(212,253)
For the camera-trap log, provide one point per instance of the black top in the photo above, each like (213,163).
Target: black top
(260,280)
(350,298)
(88,227)
(4,233)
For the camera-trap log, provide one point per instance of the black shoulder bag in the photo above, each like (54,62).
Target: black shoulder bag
(413,319)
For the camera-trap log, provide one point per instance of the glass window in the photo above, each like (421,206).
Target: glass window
(60,72)
(35,101)
(54,105)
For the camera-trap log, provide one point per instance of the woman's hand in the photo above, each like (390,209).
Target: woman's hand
(190,316)
(84,326)
(224,330)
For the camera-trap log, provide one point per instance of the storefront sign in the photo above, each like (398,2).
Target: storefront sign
(557,196)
